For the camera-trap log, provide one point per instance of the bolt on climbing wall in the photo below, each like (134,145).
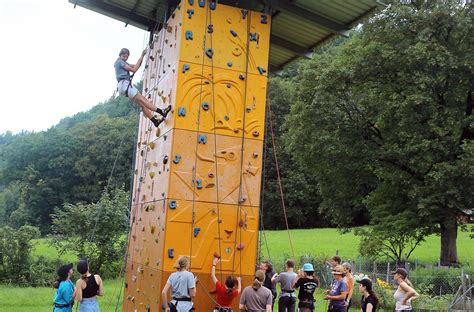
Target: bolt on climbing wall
(198,177)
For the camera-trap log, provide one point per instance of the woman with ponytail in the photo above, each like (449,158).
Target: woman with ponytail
(89,286)
(256,298)
(227,292)
(183,288)
(64,295)
(405,292)
(369,301)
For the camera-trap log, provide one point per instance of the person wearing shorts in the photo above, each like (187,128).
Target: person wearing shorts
(125,87)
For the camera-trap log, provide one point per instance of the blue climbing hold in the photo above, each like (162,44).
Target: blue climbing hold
(177,159)
(253,36)
(261,70)
(226,118)
(264,19)
(196,231)
(202,3)
(191,2)
(233,32)
(212,4)
(202,139)
(210,29)
(241,77)
(189,35)
(190,13)
(209,53)
(173,204)
(244,13)
(185,68)
(181,111)
(205,106)
(199,184)
(170,253)
(229,64)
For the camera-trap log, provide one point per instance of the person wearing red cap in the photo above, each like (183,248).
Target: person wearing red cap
(225,293)
(405,292)
(369,301)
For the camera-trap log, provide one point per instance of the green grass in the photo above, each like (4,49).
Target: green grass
(14,299)
(328,242)
(41,247)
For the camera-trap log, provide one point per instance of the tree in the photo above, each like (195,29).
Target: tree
(93,230)
(385,121)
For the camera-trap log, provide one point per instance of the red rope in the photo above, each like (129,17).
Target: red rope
(278,176)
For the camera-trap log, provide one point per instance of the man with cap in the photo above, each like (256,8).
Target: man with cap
(64,295)
(405,292)
(369,301)
(338,292)
(307,283)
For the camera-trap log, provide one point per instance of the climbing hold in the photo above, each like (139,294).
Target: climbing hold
(228,232)
(241,77)
(248,109)
(241,223)
(157,133)
(228,250)
(170,253)
(216,255)
(210,29)
(199,184)
(134,278)
(152,145)
(212,4)
(202,139)
(163,194)
(240,246)
(151,174)
(209,185)
(177,159)
(229,85)
(185,68)
(189,35)
(255,155)
(264,19)
(196,231)
(255,133)
(165,159)
(243,199)
(233,32)
(191,2)
(181,111)
(152,229)
(210,175)
(244,13)
(209,53)
(205,106)
(253,36)
(226,118)
(152,58)
(190,13)
(173,204)
(229,64)
(202,3)
(261,70)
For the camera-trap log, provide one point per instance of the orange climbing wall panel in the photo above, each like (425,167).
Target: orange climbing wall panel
(198,176)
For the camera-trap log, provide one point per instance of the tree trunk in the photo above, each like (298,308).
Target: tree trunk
(449,234)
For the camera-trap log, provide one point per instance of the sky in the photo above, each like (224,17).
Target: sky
(57,60)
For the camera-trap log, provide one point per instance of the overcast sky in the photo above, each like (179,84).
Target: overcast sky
(57,61)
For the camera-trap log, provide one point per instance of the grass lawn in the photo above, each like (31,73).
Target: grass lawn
(14,299)
(326,242)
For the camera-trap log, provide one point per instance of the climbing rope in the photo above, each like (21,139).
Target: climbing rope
(278,175)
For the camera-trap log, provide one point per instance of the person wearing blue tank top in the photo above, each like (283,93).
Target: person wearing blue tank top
(88,287)
(64,294)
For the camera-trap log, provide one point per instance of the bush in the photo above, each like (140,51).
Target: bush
(438,281)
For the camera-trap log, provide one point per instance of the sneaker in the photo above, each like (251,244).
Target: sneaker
(157,122)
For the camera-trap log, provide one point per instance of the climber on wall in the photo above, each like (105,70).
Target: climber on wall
(125,87)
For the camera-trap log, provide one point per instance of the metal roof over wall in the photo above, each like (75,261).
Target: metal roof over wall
(297,28)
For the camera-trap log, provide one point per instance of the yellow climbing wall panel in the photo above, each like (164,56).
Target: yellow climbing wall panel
(198,176)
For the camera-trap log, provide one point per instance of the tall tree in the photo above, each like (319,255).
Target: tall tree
(385,121)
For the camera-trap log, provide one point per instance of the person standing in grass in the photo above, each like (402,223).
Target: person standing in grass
(307,283)
(267,266)
(405,292)
(256,298)
(349,279)
(369,301)
(287,297)
(88,287)
(64,295)
(338,292)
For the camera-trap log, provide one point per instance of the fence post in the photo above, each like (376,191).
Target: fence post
(360,264)
(375,270)
(388,271)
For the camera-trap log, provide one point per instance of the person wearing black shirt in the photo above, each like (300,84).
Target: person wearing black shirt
(307,284)
(269,274)
(369,301)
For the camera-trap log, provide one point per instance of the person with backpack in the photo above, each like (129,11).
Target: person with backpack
(225,293)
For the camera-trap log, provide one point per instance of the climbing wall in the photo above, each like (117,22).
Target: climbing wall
(197,178)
